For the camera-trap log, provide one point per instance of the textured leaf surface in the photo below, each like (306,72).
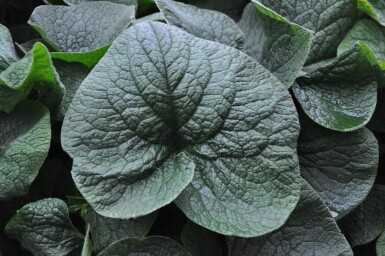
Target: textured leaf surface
(341,167)
(106,231)
(154,246)
(7,49)
(367,221)
(199,241)
(126,2)
(25,136)
(71,75)
(373,36)
(380,245)
(81,28)
(44,228)
(340,94)
(36,71)
(374,8)
(280,46)
(203,23)
(329,19)
(310,230)
(159,91)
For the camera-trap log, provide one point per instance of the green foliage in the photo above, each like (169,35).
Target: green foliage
(194,127)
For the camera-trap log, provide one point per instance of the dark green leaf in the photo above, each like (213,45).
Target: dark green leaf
(310,230)
(367,221)
(340,94)
(106,231)
(25,136)
(341,167)
(154,246)
(44,228)
(160,91)
(231,8)
(199,241)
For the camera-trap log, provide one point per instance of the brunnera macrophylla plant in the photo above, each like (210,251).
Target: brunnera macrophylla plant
(192,128)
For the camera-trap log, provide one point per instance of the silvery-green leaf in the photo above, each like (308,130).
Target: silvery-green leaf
(7,49)
(329,19)
(25,136)
(340,94)
(310,230)
(279,45)
(87,245)
(44,228)
(81,33)
(203,23)
(125,2)
(162,102)
(380,245)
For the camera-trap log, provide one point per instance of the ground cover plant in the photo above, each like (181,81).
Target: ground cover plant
(162,127)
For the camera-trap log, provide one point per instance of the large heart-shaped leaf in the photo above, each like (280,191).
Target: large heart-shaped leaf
(367,221)
(106,231)
(279,45)
(329,19)
(310,230)
(154,246)
(162,102)
(81,33)
(339,94)
(341,167)
(203,23)
(44,228)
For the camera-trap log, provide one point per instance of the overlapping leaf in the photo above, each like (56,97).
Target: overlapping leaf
(44,228)
(25,136)
(279,45)
(339,94)
(154,246)
(106,231)
(329,19)
(203,23)
(81,33)
(231,8)
(367,221)
(310,230)
(341,167)
(162,102)
(374,8)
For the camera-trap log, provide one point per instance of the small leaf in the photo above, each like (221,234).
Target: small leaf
(44,228)
(374,8)
(203,23)
(310,230)
(25,136)
(367,221)
(35,71)
(86,30)
(279,45)
(340,94)
(199,241)
(329,19)
(341,167)
(154,246)
(106,231)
